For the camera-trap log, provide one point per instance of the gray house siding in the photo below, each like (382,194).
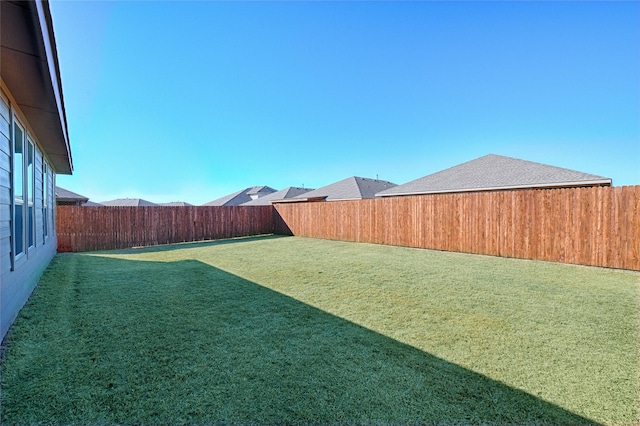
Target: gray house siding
(18,285)
(19,275)
(5,191)
(34,146)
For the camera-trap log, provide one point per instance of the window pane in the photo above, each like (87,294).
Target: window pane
(19,227)
(45,174)
(30,192)
(30,172)
(18,138)
(18,188)
(31,212)
(44,221)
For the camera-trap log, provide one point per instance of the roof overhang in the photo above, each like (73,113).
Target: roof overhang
(29,69)
(602,182)
(300,200)
(72,200)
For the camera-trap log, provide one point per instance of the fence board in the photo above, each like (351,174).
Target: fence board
(633,256)
(597,226)
(105,228)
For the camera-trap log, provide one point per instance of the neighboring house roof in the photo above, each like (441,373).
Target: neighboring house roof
(128,202)
(31,72)
(352,188)
(92,204)
(240,197)
(496,172)
(283,194)
(260,190)
(66,196)
(175,203)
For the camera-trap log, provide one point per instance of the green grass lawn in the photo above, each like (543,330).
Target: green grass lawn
(295,330)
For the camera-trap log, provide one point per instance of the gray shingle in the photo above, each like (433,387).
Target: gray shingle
(240,197)
(260,190)
(352,188)
(64,195)
(128,202)
(494,172)
(175,204)
(286,193)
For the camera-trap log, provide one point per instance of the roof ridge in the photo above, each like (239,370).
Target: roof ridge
(288,190)
(544,165)
(496,172)
(356,181)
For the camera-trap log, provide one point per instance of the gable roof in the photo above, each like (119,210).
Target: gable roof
(260,190)
(283,194)
(128,202)
(64,195)
(496,172)
(352,188)
(175,203)
(240,197)
(91,204)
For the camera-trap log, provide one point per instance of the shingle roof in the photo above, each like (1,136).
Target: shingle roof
(175,203)
(66,195)
(260,190)
(286,193)
(495,172)
(240,197)
(91,204)
(128,202)
(352,188)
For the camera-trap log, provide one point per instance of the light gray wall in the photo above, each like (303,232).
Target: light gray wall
(17,281)
(5,183)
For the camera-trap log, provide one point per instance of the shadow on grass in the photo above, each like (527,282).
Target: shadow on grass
(193,244)
(117,341)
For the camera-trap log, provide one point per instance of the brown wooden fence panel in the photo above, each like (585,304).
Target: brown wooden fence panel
(597,226)
(105,228)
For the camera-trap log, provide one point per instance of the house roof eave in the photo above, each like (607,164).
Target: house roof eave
(300,200)
(601,182)
(30,71)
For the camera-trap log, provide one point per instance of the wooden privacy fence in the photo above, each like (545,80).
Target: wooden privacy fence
(104,228)
(597,226)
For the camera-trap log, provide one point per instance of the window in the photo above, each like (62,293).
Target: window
(52,201)
(30,192)
(45,200)
(18,189)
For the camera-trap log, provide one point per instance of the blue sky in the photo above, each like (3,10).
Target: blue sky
(190,101)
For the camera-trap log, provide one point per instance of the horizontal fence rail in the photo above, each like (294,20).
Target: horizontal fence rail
(104,228)
(597,226)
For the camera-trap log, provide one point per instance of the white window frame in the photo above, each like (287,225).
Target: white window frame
(15,257)
(30,184)
(44,172)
